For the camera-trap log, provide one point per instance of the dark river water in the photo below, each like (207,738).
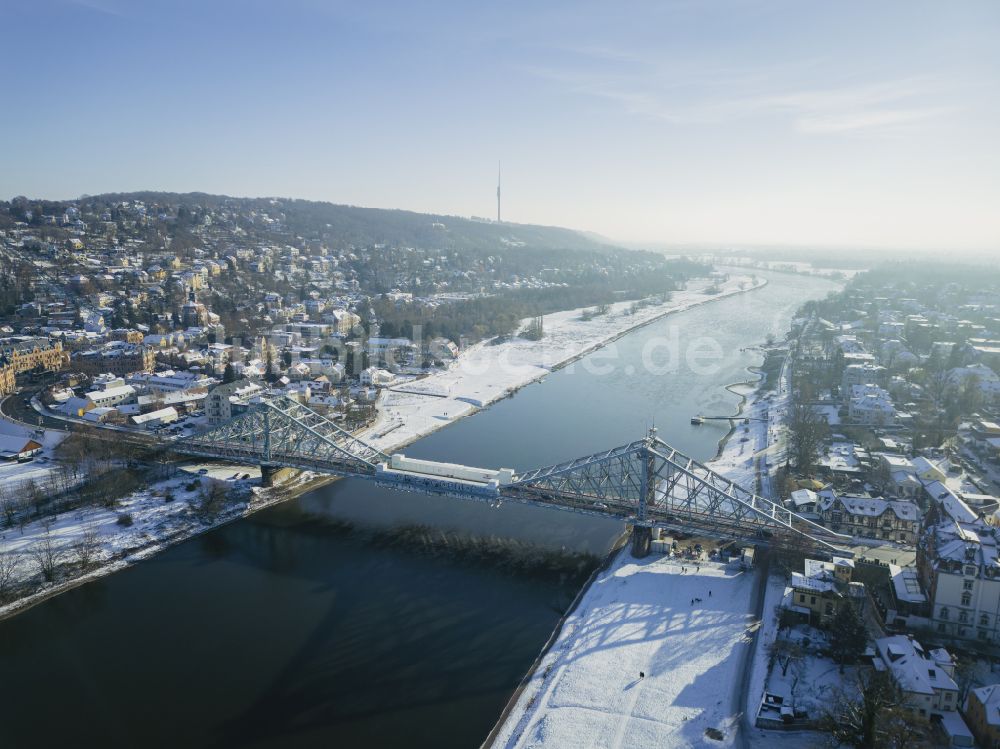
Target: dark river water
(331,620)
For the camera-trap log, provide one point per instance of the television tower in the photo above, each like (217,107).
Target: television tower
(498,192)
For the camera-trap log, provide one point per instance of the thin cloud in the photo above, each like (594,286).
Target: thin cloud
(682,100)
(107,7)
(871,120)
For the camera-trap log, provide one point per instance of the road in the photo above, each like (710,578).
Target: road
(740,693)
(14,408)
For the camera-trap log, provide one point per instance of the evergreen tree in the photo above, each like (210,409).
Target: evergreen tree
(848,637)
(230,374)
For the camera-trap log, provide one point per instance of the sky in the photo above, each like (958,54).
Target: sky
(675,123)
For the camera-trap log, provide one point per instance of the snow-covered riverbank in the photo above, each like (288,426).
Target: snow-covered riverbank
(487,372)
(648,616)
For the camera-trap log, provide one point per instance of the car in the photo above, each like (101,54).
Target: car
(202,471)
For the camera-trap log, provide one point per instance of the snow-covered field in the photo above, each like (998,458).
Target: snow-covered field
(162,513)
(641,616)
(485,372)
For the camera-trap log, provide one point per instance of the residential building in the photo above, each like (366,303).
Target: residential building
(118,358)
(982,714)
(822,588)
(957,559)
(24,353)
(925,679)
(870,517)
(230,399)
(870,405)
(376,377)
(112,396)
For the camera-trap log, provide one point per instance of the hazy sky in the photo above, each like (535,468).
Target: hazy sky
(750,121)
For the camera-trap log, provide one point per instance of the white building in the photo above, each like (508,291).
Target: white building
(156,418)
(959,568)
(373,376)
(230,399)
(392,350)
(112,396)
(870,405)
(170,381)
(926,680)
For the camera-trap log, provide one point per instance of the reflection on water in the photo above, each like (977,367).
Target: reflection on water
(356,615)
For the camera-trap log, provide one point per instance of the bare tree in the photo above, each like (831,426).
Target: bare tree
(85,548)
(9,562)
(806,430)
(784,652)
(872,717)
(47,556)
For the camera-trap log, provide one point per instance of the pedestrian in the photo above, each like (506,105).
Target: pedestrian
(642,674)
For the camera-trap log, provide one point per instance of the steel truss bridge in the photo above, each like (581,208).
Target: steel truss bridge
(646,483)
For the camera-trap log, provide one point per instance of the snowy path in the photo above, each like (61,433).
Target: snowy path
(639,617)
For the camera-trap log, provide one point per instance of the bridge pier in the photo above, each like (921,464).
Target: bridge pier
(642,540)
(267,474)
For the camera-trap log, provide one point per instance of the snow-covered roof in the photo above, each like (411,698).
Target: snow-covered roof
(906,584)
(951,503)
(164,414)
(820,583)
(13,445)
(802,497)
(121,391)
(922,465)
(897,462)
(989,697)
(911,669)
(872,506)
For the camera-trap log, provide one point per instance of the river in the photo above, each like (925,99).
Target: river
(329,621)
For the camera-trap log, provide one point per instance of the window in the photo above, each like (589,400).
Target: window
(944,612)
(984,620)
(829,608)
(802,598)
(812,600)
(966,598)
(940,626)
(967,584)
(963,617)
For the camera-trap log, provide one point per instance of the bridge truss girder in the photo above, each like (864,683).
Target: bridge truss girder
(281,431)
(655,485)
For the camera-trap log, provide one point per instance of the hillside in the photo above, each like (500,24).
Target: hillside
(353,225)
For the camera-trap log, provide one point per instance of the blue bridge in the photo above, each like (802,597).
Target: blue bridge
(646,483)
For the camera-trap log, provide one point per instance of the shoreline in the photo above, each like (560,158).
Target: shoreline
(141,553)
(744,397)
(282,493)
(541,370)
